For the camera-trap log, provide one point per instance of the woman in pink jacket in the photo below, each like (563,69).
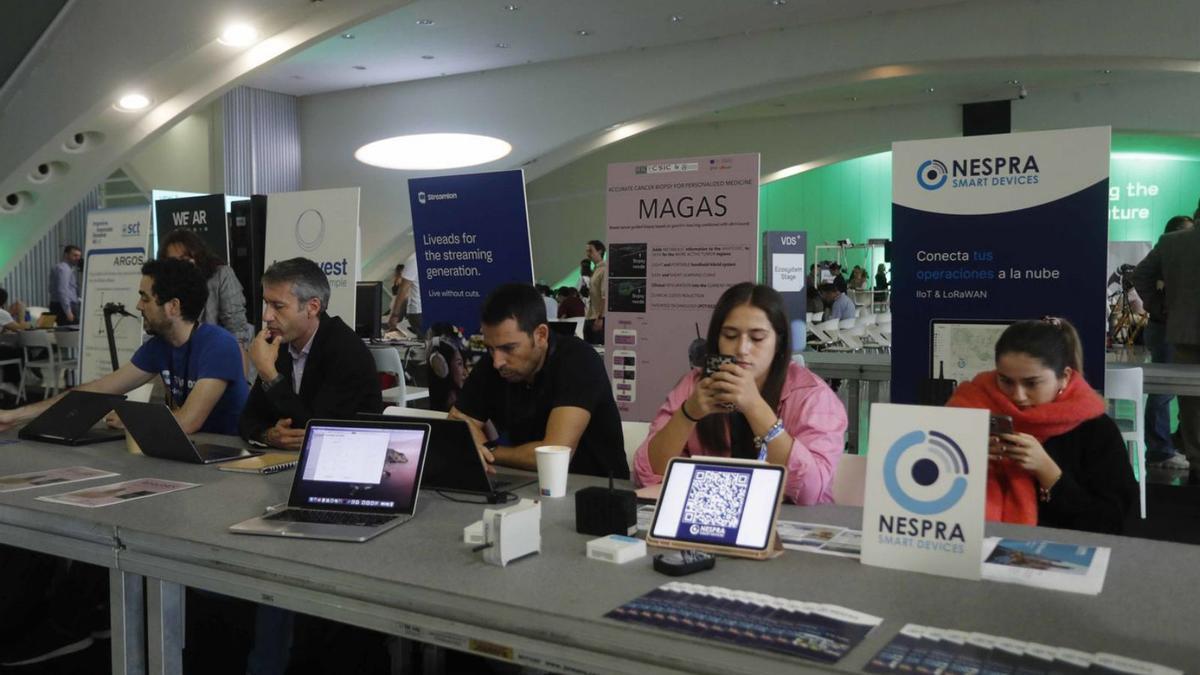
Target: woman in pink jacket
(763,406)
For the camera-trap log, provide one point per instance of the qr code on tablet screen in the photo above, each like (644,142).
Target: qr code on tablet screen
(716,498)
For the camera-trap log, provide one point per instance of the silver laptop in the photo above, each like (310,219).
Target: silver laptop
(354,481)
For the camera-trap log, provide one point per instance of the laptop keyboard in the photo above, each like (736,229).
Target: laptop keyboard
(330,517)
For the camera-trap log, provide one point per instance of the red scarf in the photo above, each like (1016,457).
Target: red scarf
(1012,495)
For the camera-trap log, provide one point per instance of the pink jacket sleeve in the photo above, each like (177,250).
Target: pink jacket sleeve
(643,475)
(816,421)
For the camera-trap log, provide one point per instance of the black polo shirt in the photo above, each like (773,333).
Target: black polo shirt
(572,375)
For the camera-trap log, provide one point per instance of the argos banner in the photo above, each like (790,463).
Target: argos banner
(321,225)
(987,230)
(114,252)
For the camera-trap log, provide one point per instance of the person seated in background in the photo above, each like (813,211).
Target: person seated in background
(226,304)
(447,366)
(1065,465)
(12,317)
(570,305)
(325,371)
(200,364)
(548,299)
(858,278)
(837,279)
(539,388)
(761,406)
(838,305)
(11,321)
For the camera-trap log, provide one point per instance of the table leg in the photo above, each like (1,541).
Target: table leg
(127,604)
(164,611)
(852,408)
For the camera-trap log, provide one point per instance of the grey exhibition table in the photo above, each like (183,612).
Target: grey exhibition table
(420,581)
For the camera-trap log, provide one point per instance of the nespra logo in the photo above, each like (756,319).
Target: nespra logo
(925,473)
(932,174)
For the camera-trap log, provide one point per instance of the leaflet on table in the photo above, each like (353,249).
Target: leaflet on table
(923,649)
(811,631)
(107,495)
(816,538)
(35,479)
(1046,564)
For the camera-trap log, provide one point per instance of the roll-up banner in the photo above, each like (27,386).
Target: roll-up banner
(472,234)
(204,215)
(783,270)
(680,232)
(988,230)
(321,225)
(115,249)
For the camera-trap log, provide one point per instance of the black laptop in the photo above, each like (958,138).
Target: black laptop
(70,420)
(452,464)
(158,434)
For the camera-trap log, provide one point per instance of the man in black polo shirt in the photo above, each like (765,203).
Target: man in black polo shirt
(540,388)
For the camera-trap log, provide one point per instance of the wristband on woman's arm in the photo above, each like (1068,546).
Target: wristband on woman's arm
(683,409)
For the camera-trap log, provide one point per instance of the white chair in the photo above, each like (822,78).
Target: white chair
(846,324)
(849,480)
(635,433)
(578,326)
(1125,384)
(416,412)
(68,348)
(387,360)
(15,361)
(52,365)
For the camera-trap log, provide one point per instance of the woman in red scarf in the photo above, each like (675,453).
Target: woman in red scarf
(1066,465)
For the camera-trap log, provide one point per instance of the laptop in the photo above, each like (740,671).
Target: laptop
(70,420)
(453,464)
(158,434)
(355,480)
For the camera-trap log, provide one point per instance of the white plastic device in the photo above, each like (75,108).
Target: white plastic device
(512,532)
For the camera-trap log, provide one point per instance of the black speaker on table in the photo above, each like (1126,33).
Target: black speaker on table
(603,511)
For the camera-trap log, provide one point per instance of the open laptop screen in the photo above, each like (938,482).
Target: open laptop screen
(364,466)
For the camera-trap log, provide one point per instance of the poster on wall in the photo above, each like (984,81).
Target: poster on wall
(783,270)
(321,225)
(472,234)
(114,251)
(988,230)
(680,232)
(204,215)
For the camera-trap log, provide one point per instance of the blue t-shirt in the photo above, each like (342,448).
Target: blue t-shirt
(212,352)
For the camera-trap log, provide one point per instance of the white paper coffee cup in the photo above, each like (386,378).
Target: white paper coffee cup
(553,462)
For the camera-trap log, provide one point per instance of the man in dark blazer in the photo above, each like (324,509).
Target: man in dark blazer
(325,371)
(1174,262)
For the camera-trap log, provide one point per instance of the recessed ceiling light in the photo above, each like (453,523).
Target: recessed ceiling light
(779,3)
(133,102)
(583,33)
(511,8)
(675,18)
(427,57)
(1014,82)
(853,99)
(929,90)
(427,152)
(501,45)
(238,35)
(1107,71)
(359,67)
(347,36)
(425,22)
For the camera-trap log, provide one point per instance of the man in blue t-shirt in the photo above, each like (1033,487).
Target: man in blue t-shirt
(200,364)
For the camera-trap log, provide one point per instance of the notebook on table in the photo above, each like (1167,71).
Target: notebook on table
(70,421)
(264,464)
(355,480)
(158,434)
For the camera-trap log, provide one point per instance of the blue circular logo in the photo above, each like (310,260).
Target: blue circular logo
(931,175)
(939,461)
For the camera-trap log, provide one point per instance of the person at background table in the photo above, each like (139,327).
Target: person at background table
(593,326)
(838,305)
(1160,446)
(64,286)
(838,280)
(325,371)
(398,309)
(539,388)
(226,304)
(763,406)
(12,320)
(858,278)
(407,296)
(200,364)
(1173,264)
(1065,465)
(548,300)
(881,277)
(570,305)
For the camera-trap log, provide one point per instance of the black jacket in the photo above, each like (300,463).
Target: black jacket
(339,381)
(1097,488)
